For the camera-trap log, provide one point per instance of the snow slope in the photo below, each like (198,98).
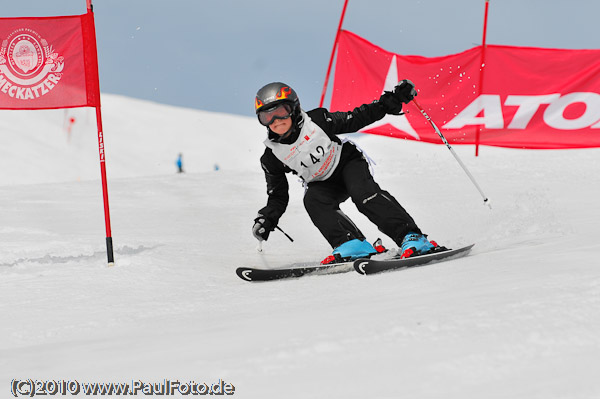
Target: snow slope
(519,318)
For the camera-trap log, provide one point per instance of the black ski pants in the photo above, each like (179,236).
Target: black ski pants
(352,179)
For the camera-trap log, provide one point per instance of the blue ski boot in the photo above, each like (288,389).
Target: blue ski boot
(353,249)
(415,244)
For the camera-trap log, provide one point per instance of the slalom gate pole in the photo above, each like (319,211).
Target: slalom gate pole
(482,70)
(109,243)
(335,42)
(486,200)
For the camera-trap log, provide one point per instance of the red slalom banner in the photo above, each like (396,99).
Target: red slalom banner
(52,62)
(530,97)
(48,62)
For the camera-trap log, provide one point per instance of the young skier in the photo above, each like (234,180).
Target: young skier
(306,144)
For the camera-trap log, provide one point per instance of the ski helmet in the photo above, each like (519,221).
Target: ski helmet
(273,95)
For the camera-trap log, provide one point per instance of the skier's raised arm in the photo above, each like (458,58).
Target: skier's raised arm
(390,102)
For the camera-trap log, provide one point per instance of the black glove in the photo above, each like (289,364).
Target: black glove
(391,104)
(262,228)
(405,91)
(392,101)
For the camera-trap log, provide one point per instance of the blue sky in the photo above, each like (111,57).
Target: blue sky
(215,55)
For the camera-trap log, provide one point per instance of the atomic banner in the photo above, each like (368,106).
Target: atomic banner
(48,62)
(521,97)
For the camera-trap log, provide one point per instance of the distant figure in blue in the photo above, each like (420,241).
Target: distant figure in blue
(179,163)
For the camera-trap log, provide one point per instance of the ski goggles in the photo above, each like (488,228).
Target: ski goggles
(281,111)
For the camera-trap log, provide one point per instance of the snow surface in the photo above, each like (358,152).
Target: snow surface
(519,318)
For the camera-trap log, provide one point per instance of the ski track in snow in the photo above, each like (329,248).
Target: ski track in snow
(517,318)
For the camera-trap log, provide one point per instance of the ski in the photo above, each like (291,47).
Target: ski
(362,266)
(256,274)
(371,266)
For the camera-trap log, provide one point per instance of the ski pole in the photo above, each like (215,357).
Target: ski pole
(259,247)
(486,200)
(284,233)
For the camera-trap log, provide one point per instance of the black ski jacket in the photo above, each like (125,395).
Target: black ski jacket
(332,123)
